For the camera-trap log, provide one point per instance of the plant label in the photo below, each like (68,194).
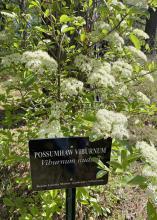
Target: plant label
(67,162)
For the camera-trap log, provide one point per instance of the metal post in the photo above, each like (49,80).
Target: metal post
(70,203)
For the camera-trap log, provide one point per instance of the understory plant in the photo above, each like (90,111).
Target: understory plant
(75,68)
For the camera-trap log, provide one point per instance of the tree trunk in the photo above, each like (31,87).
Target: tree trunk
(22,5)
(2,19)
(151,29)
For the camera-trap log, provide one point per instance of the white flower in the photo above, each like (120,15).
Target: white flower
(118,17)
(39,60)
(147,76)
(106,66)
(140,33)
(137,121)
(124,25)
(14,58)
(83,63)
(50,129)
(121,68)
(102,25)
(119,132)
(98,73)
(120,4)
(140,4)
(152,192)
(33,64)
(138,54)
(110,124)
(149,171)
(143,98)
(123,90)
(115,39)
(71,86)
(101,78)
(149,152)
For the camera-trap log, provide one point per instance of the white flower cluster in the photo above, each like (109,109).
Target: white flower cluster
(118,3)
(115,39)
(118,17)
(149,171)
(123,90)
(106,66)
(50,129)
(147,76)
(122,69)
(101,77)
(140,4)
(39,61)
(140,33)
(143,98)
(149,153)
(14,58)
(110,124)
(71,86)
(152,192)
(124,25)
(84,63)
(98,73)
(102,26)
(137,54)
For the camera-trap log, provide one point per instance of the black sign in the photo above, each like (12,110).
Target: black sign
(67,162)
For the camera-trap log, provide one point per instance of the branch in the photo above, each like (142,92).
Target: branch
(137,77)
(117,26)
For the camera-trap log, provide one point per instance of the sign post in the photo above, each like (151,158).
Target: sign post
(70,203)
(67,163)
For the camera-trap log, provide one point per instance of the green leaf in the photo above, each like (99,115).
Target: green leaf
(100,174)
(47,13)
(99,162)
(42,29)
(67,29)
(132,158)
(8,202)
(84,202)
(97,207)
(9,15)
(135,41)
(29,80)
(151,211)
(138,11)
(34,210)
(83,37)
(34,4)
(64,19)
(115,164)
(139,180)
(90,117)
(102,166)
(90,3)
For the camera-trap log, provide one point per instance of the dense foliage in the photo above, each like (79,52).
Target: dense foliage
(75,68)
